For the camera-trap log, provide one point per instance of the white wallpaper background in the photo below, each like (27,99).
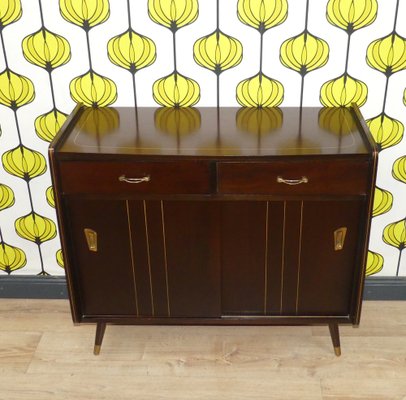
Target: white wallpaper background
(313,52)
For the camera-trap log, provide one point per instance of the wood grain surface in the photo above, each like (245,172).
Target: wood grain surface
(44,356)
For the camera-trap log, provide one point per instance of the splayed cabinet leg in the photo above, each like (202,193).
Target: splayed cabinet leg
(335,338)
(100,329)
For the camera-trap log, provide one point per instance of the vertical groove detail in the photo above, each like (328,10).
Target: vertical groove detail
(149,257)
(266,258)
(283,254)
(165,257)
(299,257)
(132,256)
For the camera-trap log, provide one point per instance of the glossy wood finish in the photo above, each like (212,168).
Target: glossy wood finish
(181,177)
(208,132)
(212,237)
(310,177)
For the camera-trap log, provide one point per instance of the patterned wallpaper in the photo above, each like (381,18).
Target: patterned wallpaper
(182,53)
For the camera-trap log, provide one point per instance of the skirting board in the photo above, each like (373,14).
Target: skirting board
(54,287)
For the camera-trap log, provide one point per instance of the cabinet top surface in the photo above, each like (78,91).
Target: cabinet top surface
(210,132)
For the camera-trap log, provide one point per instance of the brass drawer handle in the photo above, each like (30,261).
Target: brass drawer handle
(304,179)
(145,178)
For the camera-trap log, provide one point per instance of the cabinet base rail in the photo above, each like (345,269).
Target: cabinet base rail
(333,327)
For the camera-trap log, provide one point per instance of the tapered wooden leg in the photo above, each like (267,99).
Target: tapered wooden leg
(335,337)
(100,329)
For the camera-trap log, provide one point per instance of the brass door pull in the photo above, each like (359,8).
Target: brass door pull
(339,238)
(304,179)
(91,239)
(123,178)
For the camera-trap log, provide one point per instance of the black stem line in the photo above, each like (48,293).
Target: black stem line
(18,127)
(218,15)
(129,14)
(218,90)
(137,128)
(88,50)
(261,52)
(30,196)
(301,92)
(398,267)
(51,84)
(307,15)
(347,56)
(43,272)
(385,95)
(1,236)
(4,49)
(41,14)
(396,16)
(174,51)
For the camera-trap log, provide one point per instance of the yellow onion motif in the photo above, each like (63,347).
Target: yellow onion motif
(259,91)
(46,49)
(11,258)
(131,51)
(386,131)
(177,121)
(343,91)
(15,90)
(59,258)
(383,201)
(50,195)
(404,97)
(85,13)
(47,125)
(262,14)
(304,53)
(176,90)
(374,263)
(173,14)
(6,197)
(388,54)
(10,11)
(93,90)
(35,228)
(351,15)
(24,163)
(399,169)
(337,120)
(394,234)
(100,121)
(259,121)
(217,52)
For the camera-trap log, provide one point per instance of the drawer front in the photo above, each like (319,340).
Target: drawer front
(183,177)
(336,177)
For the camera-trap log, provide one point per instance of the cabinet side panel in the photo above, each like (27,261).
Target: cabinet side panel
(192,258)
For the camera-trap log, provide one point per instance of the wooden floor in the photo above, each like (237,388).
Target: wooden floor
(43,356)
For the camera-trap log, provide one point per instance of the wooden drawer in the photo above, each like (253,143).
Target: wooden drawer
(335,177)
(180,177)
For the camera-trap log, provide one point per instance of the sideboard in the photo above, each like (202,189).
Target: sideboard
(225,216)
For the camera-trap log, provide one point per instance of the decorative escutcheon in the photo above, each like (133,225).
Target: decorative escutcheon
(91,239)
(339,238)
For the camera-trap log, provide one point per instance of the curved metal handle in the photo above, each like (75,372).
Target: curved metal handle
(304,179)
(123,178)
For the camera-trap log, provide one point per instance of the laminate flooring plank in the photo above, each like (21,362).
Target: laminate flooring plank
(92,386)
(17,350)
(41,361)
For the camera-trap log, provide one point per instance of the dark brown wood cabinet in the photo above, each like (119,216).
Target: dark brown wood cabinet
(214,216)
